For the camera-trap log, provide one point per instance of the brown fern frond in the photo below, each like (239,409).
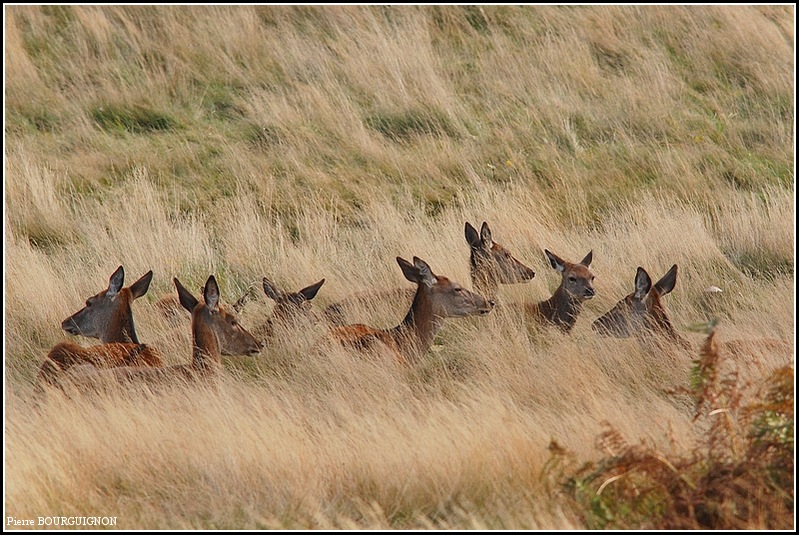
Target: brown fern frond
(706,369)
(611,441)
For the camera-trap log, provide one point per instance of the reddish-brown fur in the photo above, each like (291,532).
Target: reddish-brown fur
(215,331)
(109,317)
(436,298)
(642,314)
(576,287)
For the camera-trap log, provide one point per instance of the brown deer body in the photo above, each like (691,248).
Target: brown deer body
(576,287)
(215,331)
(109,317)
(642,314)
(436,298)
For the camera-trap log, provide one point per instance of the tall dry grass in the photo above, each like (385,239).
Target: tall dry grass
(301,142)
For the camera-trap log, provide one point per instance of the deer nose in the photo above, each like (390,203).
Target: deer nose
(590,292)
(70,326)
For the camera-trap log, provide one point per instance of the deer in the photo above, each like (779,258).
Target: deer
(436,298)
(643,315)
(289,306)
(171,309)
(109,317)
(215,332)
(490,263)
(576,287)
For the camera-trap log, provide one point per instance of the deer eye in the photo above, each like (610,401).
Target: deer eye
(572,279)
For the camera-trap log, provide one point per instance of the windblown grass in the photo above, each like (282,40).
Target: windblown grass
(306,142)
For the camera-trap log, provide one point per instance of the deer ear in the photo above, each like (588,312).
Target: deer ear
(426,274)
(587,260)
(409,270)
(241,301)
(667,282)
(556,261)
(140,287)
(188,301)
(485,236)
(643,283)
(271,290)
(211,293)
(116,282)
(472,238)
(309,292)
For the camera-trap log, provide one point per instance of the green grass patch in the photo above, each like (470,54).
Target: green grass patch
(763,264)
(405,125)
(262,136)
(32,119)
(220,101)
(45,237)
(136,119)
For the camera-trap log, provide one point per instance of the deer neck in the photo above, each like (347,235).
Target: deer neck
(660,323)
(416,333)
(485,285)
(205,351)
(561,309)
(267,331)
(121,328)
(484,281)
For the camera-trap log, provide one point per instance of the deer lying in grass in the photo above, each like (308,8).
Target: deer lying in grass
(576,287)
(215,332)
(491,264)
(170,307)
(642,314)
(289,306)
(436,298)
(109,317)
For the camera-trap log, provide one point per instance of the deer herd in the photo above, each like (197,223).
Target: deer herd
(122,360)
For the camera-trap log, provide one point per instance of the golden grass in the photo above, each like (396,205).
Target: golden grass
(301,438)
(313,142)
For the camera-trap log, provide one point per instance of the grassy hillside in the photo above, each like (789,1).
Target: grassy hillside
(306,142)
